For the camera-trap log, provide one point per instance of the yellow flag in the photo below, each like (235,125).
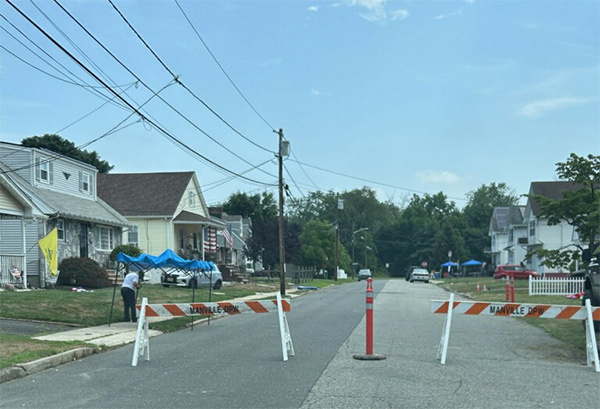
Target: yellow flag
(49,245)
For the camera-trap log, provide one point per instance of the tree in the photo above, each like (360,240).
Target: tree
(580,207)
(318,246)
(65,147)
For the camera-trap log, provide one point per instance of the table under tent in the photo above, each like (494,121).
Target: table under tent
(167,260)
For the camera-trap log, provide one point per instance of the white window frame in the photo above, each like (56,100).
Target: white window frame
(44,168)
(60,227)
(134,230)
(108,231)
(532,228)
(86,180)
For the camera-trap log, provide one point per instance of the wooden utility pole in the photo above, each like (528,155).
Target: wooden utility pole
(337,232)
(281,232)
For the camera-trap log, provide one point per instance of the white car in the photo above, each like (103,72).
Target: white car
(192,279)
(419,274)
(364,274)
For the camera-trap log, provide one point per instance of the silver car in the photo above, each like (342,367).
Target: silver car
(192,279)
(419,274)
(364,274)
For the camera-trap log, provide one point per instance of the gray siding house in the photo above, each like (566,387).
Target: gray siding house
(41,190)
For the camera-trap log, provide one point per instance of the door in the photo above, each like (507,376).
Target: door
(83,240)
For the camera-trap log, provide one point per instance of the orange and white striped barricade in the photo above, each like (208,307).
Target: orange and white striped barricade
(215,308)
(500,309)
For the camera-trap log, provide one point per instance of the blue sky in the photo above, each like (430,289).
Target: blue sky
(402,96)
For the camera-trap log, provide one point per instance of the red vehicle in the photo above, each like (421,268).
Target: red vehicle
(518,272)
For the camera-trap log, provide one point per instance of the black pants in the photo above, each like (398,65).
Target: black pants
(129,300)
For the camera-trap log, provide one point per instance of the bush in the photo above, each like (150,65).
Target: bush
(128,249)
(82,271)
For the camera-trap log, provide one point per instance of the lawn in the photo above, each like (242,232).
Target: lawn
(570,332)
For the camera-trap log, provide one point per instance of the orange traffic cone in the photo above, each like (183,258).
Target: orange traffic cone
(478,289)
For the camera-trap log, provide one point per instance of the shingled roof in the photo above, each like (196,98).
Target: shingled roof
(144,194)
(551,190)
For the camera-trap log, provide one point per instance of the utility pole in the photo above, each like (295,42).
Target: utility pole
(281,232)
(337,230)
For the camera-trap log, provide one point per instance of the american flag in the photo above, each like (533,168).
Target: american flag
(210,239)
(227,236)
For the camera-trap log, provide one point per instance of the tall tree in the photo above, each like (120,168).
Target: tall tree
(65,147)
(580,207)
(318,246)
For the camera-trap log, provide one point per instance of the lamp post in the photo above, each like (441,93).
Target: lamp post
(353,233)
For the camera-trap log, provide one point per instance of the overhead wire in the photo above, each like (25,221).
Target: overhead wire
(181,82)
(371,181)
(221,67)
(92,89)
(148,87)
(163,131)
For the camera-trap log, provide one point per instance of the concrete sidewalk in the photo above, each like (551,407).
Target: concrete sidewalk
(115,334)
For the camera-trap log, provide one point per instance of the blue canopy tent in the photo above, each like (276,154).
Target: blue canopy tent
(167,260)
(449,264)
(472,263)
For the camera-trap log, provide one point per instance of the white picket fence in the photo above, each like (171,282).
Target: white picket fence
(555,286)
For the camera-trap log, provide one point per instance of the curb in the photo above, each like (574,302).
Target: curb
(29,368)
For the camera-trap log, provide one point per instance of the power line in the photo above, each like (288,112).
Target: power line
(163,131)
(182,84)
(221,67)
(148,87)
(371,181)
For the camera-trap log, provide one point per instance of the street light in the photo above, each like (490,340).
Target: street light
(367,248)
(353,233)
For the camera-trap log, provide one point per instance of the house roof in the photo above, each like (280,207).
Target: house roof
(499,220)
(551,190)
(188,217)
(144,194)
(67,206)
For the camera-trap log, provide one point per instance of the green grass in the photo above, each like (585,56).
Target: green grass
(93,308)
(18,349)
(570,332)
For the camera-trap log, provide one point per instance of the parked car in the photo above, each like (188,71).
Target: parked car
(364,274)
(419,274)
(409,271)
(592,288)
(192,279)
(519,272)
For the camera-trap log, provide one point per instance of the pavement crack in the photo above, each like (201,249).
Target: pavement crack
(459,386)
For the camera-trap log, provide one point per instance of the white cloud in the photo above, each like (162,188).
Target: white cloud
(315,92)
(452,14)
(399,14)
(544,106)
(376,11)
(437,176)
(313,8)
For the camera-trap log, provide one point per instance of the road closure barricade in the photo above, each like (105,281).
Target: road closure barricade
(587,313)
(281,306)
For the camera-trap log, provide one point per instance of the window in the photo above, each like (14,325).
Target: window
(532,228)
(133,236)
(191,198)
(84,183)
(511,235)
(44,171)
(60,228)
(106,238)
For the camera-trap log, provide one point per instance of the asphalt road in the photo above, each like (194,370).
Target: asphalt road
(236,362)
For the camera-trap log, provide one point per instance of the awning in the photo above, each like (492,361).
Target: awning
(167,259)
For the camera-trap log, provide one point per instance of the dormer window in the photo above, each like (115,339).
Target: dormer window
(44,172)
(84,184)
